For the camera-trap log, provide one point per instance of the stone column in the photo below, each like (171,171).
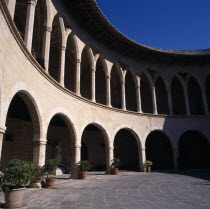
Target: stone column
(46,46)
(138,98)
(39,152)
(154,100)
(123,95)
(108,91)
(205,104)
(11,7)
(2,132)
(170,103)
(93,84)
(76,159)
(143,154)
(109,158)
(62,66)
(30,23)
(187,101)
(78,69)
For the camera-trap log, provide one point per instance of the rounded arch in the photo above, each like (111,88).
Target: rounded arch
(100,79)
(127,141)
(130,91)
(207,90)
(194,150)
(161,96)
(178,96)
(159,147)
(146,94)
(116,86)
(195,96)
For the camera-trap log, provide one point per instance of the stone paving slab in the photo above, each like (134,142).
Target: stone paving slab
(129,190)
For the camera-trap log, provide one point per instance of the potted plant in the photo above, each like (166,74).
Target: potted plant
(14,178)
(83,166)
(49,169)
(148,165)
(114,166)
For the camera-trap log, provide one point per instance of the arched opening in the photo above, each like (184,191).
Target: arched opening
(146,95)
(208,92)
(55,49)
(116,97)
(195,97)
(159,150)
(178,97)
(38,32)
(70,64)
(161,96)
(126,149)
(194,150)
(85,74)
(130,92)
(100,85)
(22,128)
(60,139)
(20,16)
(93,148)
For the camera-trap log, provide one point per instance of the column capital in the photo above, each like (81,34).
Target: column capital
(78,60)
(63,48)
(108,77)
(111,148)
(137,86)
(3,129)
(40,142)
(93,70)
(123,83)
(77,145)
(33,2)
(143,148)
(47,28)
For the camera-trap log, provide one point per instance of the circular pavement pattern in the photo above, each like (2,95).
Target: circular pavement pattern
(130,190)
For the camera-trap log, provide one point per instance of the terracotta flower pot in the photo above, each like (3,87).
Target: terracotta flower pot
(83,175)
(49,182)
(148,169)
(114,171)
(14,198)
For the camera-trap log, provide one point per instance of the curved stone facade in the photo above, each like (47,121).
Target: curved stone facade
(60,87)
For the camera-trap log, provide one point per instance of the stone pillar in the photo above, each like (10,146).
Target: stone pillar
(138,98)
(30,23)
(76,159)
(62,66)
(46,46)
(39,152)
(2,132)
(78,69)
(187,101)
(123,95)
(93,85)
(170,103)
(11,7)
(143,155)
(154,100)
(109,158)
(108,91)
(205,104)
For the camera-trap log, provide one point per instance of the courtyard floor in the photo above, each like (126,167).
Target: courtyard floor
(130,190)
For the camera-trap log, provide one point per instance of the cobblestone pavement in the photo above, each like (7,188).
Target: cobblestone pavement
(130,190)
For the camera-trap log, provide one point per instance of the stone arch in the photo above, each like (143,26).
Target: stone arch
(61,142)
(20,16)
(130,91)
(86,72)
(146,93)
(116,86)
(160,150)
(95,144)
(161,96)
(194,150)
(178,96)
(100,78)
(55,48)
(70,63)
(127,141)
(207,90)
(195,96)
(40,19)
(23,129)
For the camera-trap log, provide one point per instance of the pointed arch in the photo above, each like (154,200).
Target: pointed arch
(195,97)
(146,94)
(207,88)
(161,96)
(178,97)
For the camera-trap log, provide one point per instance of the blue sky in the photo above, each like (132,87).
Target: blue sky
(169,24)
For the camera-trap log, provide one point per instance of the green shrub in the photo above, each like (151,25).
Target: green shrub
(17,174)
(50,166)
(115,163)
(148,163)
(83,165)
